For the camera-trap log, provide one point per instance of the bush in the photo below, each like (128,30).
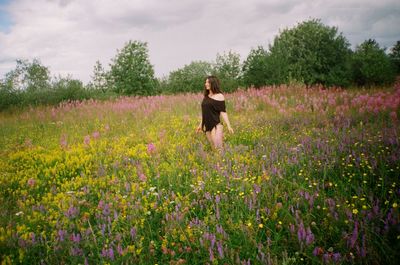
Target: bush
(255,68)
(228,70)
(190,78)
(371,66)
(395,56)
(311,53)
(131,72)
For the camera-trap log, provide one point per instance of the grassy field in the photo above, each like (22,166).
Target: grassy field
(310,176)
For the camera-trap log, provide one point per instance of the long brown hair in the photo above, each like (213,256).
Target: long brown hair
(215,85)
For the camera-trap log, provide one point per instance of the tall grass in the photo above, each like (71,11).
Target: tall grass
(310,176)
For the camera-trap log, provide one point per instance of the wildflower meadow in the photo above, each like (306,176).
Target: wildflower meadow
(310,176)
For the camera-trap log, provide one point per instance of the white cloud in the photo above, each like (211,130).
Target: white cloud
(69,36)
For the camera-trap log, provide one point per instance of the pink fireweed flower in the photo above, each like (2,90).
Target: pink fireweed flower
(31,182)
(151,148)
(142,177)
(96,135)
(86,140)
(63,141)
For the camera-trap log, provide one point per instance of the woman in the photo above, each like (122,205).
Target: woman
(212,107)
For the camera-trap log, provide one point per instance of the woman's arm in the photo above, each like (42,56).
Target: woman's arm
(198,129)
(226,120)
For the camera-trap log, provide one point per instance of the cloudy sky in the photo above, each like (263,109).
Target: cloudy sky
(69,36)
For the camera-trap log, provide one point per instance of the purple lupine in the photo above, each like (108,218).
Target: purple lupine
(217,198)
(107,253)
(354,235)
(256,189)
(363,247)
(309,237)
(220,249)
(212,239)
(292,228)
(211,253)
(72,212)
(75,251)
(104,253)
(301,233)
(326,257)
(133,233)
(336,257)
(261,255)
(61,235)
(106,209)
(103,229)
(120,250)
(221,231)
(76,238)
(111,253)
(100,205)
(318,251)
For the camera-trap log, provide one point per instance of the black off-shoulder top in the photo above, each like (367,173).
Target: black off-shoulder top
(210,110)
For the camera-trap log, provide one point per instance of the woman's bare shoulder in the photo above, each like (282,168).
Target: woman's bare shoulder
(219,96)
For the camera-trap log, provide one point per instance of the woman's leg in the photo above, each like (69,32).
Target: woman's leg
(217,135)
(210,139)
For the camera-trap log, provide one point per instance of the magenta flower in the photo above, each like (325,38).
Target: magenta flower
(31,182)
(63,141)
(142,177)
(76,238)
(151,148)
(96,135)
(86,140)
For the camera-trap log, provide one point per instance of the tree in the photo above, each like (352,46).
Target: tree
(99,78)
(395,56)
(190,78)
(255,68)
(371,65)
(311,53)
(28,76)
(228,69)
(131,72)
(37,76)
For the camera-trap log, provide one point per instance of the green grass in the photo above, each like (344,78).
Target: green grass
(129,181)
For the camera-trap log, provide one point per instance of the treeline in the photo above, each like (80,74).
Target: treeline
(309,53)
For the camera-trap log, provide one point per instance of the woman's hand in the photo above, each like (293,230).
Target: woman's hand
(198,129)
(230,129)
